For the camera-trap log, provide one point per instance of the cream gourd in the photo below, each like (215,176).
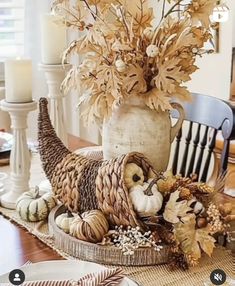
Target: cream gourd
(63,221)
(32,207)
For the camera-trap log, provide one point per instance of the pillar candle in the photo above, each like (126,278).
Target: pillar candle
(18,80)
(53,39)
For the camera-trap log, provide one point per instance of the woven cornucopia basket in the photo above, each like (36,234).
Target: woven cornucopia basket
(83,184)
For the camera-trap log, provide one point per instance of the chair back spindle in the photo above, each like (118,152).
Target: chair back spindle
(202,149)
(186,150)
(176,153)
(194,152)
(208,159)
(206,116)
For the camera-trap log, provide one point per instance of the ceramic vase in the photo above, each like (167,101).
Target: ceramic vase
(134,127)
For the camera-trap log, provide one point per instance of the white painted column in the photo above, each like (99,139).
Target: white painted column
(55,75)
(20,156)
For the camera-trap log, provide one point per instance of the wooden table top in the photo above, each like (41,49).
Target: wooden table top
(17,246)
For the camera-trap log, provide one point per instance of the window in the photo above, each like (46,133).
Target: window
(11,30)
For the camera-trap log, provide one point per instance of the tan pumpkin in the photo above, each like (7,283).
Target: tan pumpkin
(91,226)
(146,199)
(133,175)
(32,207)
(64,220)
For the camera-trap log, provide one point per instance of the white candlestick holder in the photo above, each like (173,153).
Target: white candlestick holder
(20,156)
(55,74)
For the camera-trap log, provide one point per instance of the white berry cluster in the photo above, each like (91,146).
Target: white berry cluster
(130,239)
(215,221)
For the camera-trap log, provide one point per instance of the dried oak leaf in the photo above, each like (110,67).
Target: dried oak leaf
(158,100)
(193,240)
(169,74)
(200,11)
(143,20)
(182,93)
(174,210)
(80,46)
(185,39)
(134,80)
(97,106)
(71,80)
(100,3)
(117,46)
(107,79)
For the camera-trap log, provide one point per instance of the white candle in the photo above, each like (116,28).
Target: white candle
(18,80)
(53,39)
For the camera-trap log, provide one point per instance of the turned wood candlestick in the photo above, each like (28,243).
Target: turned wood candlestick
(55,75)
(20,157)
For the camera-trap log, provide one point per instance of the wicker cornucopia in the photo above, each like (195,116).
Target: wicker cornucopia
(83,184)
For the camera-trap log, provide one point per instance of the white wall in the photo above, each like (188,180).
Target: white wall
(233,23)
(213,76)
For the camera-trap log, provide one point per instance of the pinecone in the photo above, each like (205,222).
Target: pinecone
(205,189)
(180,182)
(167,236)
(174,247)
(165,186)
(185,193)
(202,188)
(191,260)
(178,260)
(156,237)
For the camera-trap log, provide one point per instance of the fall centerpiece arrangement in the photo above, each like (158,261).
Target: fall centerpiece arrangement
(122,207)
(176,214)
(135,61)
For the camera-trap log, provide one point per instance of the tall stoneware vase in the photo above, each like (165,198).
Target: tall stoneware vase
(135,127)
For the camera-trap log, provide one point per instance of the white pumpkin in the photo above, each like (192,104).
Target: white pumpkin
(31,207)
(64,221)
(133,175)
(146,199)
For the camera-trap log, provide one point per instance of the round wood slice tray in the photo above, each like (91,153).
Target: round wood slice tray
(109,255)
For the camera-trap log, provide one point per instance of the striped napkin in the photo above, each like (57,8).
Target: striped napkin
(106,277)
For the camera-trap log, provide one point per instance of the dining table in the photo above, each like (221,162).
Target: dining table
(19,246)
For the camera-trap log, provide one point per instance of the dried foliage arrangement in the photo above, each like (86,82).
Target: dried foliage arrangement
(187,223)
(126,53)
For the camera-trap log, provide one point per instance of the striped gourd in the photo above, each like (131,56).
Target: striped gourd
(32,207)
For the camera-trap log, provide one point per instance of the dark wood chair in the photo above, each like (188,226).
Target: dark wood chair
(206,116)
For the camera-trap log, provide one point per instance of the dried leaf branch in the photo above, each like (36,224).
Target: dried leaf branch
(132,56)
